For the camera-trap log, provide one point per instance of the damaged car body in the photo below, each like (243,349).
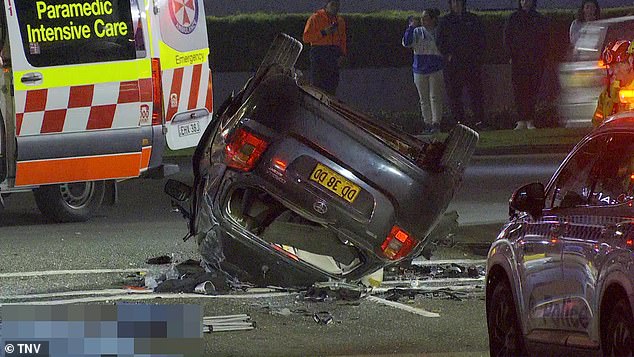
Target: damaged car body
(293,187)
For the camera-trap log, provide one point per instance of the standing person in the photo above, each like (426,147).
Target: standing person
(589,11)
(526,39)
(619,59)
(461,42)
(325,31)
(427,67)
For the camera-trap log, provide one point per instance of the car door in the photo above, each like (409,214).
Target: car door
(76,78)
(545,284)
(591,227)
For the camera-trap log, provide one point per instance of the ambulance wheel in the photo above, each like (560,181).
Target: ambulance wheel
(70,202)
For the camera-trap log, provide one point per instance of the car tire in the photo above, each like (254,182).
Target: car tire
(70,202)
(505,333)
(618,338)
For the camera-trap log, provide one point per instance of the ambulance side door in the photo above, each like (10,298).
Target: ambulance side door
(82,91)
(182,45)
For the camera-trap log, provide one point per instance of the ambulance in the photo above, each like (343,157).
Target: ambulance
(93,92)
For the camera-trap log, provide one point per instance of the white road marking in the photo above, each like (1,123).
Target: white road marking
(74,293)
(398,305)
(424,262)
(25,274)
(127,296)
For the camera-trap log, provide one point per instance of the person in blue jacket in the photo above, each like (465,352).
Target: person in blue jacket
(427,67)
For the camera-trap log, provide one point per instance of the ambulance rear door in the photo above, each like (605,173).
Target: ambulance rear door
(83,90)
(183,48)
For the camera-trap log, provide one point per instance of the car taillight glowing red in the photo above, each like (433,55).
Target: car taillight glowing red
(244,149)
(398,244)
(157,90)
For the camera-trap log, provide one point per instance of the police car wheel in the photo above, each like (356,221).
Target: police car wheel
(505,334)
(70,202)
(619,334)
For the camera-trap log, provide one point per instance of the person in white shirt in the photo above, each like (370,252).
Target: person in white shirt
(589,11)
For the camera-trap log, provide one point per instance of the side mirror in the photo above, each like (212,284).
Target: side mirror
(529,198)
(178,190)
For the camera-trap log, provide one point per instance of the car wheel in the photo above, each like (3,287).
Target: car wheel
(505,334)
(70,202)
(619,334)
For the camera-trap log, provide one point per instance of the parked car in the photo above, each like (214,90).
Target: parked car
(561,271)
(293,187)
(583,76)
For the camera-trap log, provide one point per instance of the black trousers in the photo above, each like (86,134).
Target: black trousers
(457,78)
(324,70)
(526,84)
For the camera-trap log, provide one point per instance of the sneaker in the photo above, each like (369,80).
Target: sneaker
(435,128)
(521,125)
(529,125)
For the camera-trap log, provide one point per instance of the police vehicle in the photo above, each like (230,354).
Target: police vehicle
(561,271)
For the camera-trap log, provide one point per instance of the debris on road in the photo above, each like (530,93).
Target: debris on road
(323,317)
(205,288)
(436,270)
(331,291)
(238,322)
(163,259)
(186,277)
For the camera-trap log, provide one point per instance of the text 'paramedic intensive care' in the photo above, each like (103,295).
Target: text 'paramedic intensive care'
(73,31)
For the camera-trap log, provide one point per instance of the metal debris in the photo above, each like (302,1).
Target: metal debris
(238,322)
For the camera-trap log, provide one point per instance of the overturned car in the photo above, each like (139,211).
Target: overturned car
(292,186)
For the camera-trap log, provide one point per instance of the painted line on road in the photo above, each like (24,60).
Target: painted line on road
(26,274)
(398,305)
(74,293)
(432,281)
(127,296)
(424,263)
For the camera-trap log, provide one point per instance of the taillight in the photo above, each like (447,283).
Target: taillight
(157,92)
(398,244)
(244,150)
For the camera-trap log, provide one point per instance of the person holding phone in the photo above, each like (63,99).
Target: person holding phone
(427,67)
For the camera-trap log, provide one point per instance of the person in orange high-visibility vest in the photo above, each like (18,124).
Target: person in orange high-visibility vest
(618,96)
(325,31)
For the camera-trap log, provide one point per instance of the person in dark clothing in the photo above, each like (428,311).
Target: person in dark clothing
(526,39)
(461,42)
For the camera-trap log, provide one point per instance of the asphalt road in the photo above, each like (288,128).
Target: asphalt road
(142,225)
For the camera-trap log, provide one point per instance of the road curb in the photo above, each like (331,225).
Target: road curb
(523,150)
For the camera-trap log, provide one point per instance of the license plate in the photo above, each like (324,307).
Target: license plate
(334,182)
(188,129)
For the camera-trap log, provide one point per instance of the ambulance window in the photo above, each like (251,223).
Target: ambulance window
(139,39)
(62,32)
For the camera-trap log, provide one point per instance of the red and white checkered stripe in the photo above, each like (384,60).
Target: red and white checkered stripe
(187,88)
(81,108)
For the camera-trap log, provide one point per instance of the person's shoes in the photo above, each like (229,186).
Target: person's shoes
(521,125)
(529,125)
(435,128)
